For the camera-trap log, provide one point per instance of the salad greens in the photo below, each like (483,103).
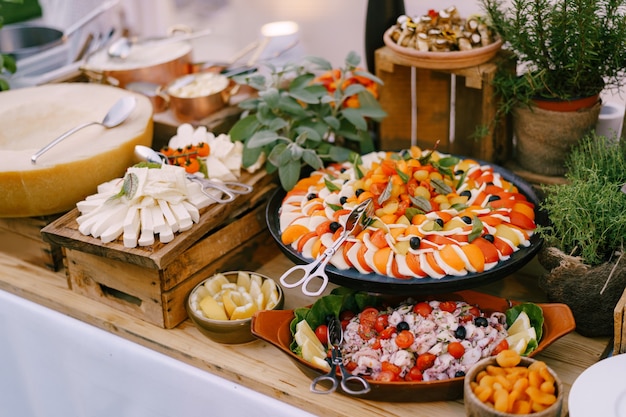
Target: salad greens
(535,314)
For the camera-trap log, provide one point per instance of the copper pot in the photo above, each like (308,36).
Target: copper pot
(154,64)
(189,100)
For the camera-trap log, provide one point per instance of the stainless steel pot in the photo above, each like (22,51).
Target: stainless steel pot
(23,40)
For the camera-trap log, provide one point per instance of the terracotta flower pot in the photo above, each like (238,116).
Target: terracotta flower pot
(544,138)
(567,105)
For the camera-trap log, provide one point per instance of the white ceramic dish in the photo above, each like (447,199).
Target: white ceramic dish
(600,390)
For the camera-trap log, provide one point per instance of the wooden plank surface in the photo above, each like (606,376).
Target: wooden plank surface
(262,367)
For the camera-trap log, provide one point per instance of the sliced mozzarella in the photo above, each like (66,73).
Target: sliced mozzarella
(354,259)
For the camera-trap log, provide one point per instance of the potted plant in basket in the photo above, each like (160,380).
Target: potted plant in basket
(583,247)
(307,113)
(567,52)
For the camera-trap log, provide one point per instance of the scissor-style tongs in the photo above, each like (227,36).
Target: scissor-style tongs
(316,268)
(226,190)
(335,337)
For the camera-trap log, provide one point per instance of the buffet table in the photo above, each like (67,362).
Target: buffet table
(149,370)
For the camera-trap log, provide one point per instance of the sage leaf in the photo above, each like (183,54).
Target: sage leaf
(440,186)
(331,185)
(289,174)
(405,177)
(335,207)
(477,229)
(421,203)
(386,194)
(261,138)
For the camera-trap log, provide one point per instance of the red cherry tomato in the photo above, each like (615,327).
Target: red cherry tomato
(382,322)
(456,349)
(404,339)
(350,366)
(423,309)
(414,374)
(386,376)
(503,345)
(388,366)
(449,306)
(474,311)
(321,332)
(387,333)
(376,345)
(367,320)
(425,361)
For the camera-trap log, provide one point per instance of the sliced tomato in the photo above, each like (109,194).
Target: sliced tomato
(503,247)
(387,333)
(414,374)
(382,322)
(323,228)
(378,239)
(423,309)
(367,320)
(488,249)
(425,361)
(456,349)
(388,366)
(386,376)
(520,220)
(449,306)
(503,345)
(405,339)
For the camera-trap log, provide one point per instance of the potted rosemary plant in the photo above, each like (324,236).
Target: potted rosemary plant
(584,243)
(566,52)
(307,113)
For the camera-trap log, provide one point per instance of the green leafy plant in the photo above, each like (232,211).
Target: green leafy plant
(588,214)
(565,48)
(307,114)
(7,62)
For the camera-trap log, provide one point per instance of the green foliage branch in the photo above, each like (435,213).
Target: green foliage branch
(296,121)
(565,48)
(588,214)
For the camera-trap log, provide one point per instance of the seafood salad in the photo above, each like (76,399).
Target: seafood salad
(422,341)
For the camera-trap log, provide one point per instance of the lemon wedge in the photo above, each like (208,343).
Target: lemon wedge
(518,341)
(521,324)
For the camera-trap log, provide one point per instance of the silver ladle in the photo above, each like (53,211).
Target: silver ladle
(116,115)
(121,48)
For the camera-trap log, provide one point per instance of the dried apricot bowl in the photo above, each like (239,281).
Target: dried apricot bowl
(222,305)
(475,406)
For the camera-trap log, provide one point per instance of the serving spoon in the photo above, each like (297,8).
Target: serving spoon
(121,48)
(116,115)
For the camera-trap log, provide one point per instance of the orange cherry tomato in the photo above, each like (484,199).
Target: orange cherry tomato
(456,349)
(405,339)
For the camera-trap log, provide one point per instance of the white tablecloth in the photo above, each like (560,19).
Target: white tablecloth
(53,365)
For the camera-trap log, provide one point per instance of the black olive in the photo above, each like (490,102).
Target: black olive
(311,196)
(439,222)
(342,170)
(459,374)
(481,322)
(343,200)
(459,172)
(488,237)
(460,332)
(466,193)
(334,226)
(493,198)
(403,325)
(466,219)
(359,192)
(415,242)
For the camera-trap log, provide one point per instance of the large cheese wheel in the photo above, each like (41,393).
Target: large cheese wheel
(32,117)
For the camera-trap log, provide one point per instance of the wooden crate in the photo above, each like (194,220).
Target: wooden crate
(21,238)
(442,113)
(152,282)
(619,340)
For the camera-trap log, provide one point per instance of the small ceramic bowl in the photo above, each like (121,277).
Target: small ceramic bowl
(474,407)
(226,331)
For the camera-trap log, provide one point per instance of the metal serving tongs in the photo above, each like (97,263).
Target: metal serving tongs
(227,190)
(335,337)
(316,268)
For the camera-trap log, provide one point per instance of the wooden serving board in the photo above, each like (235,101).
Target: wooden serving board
(64,231)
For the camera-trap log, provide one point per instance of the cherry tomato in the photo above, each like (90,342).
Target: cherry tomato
(388,366)
(376,345)
(503,345)
(367,320)
(423,309)
(456,349)
(382,322)
(448,306)
(321,332)
(404,339)
(414,374)
(387,333)
(350,366)
(425,361)
(474,311)
(386,376)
